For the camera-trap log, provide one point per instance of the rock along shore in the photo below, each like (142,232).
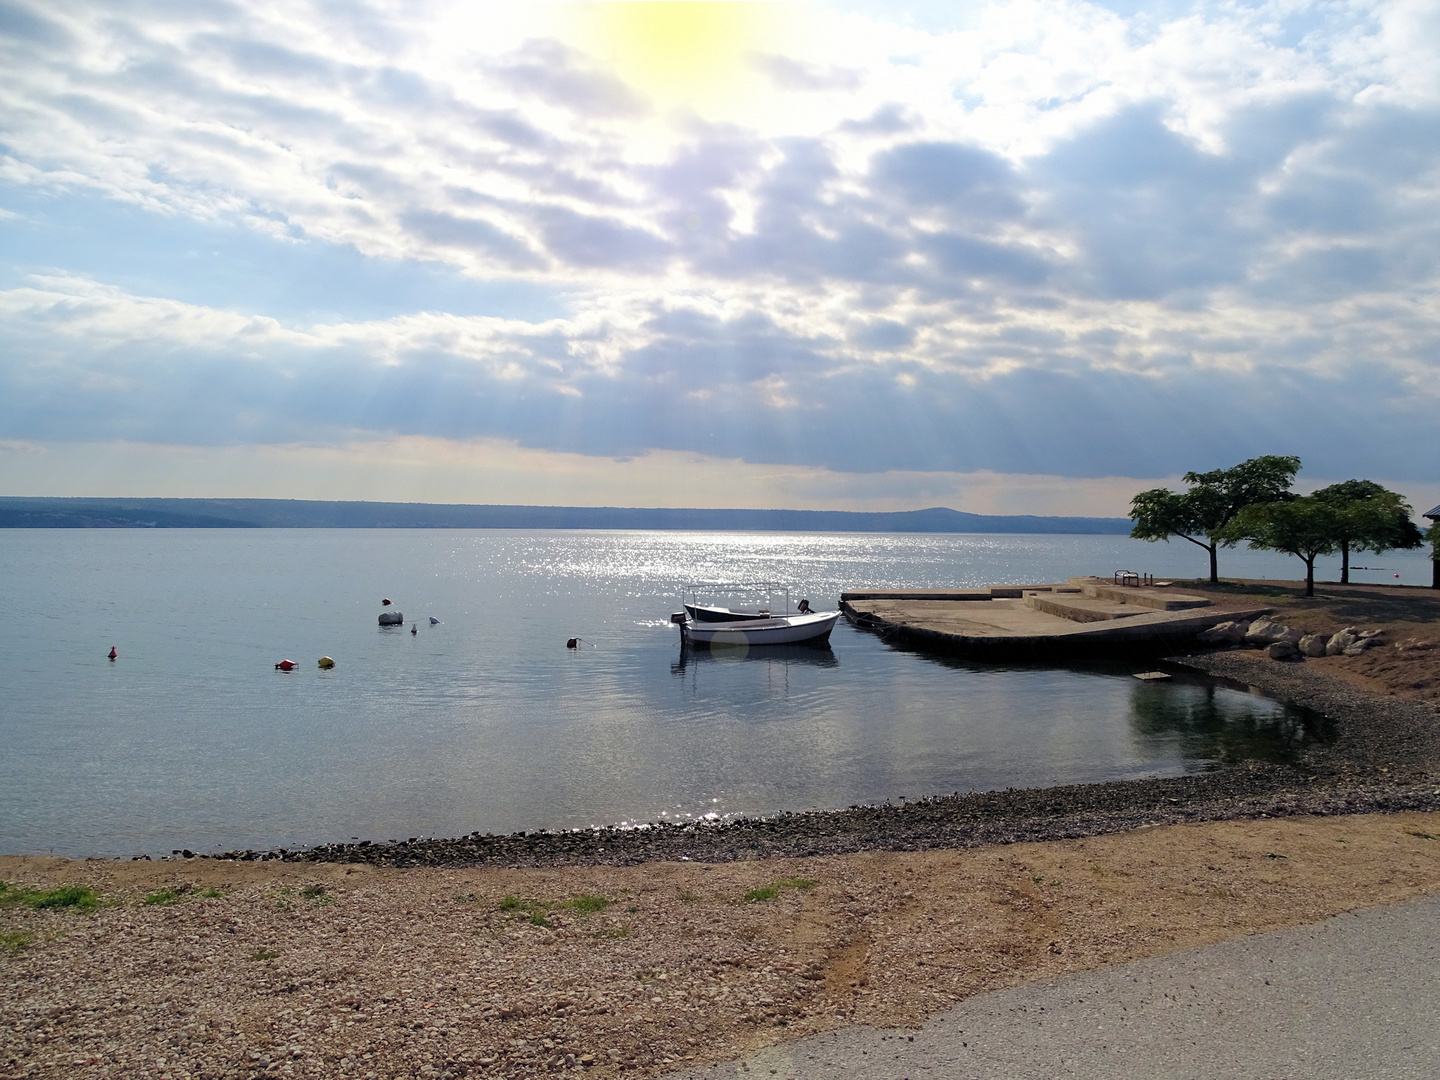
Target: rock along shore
(1385,756)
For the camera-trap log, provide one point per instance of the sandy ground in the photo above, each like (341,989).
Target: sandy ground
(323,970)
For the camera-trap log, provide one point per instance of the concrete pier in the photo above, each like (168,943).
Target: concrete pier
(1082,618)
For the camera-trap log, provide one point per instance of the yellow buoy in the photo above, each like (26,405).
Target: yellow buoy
(326,662)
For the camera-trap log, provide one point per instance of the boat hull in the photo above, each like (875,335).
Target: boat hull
(785,630)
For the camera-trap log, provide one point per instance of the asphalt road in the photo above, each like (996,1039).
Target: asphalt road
(1354,998)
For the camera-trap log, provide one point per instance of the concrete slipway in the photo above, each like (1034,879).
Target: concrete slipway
(1084,618)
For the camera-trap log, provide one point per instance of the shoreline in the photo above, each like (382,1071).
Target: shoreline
(1384,758)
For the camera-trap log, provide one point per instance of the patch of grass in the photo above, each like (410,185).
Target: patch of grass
(77,897)
(161,897)
(771,891)
(264,954)
(15,941)
(1272,855)
(536,912)
(587,903)
(633,908)
(210,894)
(802,883)
(686,896)
(614,933)
(317,893)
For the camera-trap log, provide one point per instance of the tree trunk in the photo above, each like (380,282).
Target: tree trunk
(1214,565)
(1310,576)
(1344,562)
(1435,573)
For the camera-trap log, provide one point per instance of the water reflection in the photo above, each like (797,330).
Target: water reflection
(817,656)
(1219,726)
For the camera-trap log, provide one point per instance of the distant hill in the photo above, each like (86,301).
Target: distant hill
(49,513)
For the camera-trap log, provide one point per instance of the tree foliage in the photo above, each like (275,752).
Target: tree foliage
(1305,526)
(1212,503)
(1369,518)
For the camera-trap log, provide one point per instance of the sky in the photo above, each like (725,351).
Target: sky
(1014,257)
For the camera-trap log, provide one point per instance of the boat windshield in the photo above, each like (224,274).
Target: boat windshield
(771,597)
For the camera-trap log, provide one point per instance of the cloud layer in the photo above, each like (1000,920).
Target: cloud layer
(1055,240)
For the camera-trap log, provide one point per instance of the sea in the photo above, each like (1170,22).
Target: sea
(485,721)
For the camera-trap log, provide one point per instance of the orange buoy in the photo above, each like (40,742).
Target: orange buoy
(286,665)
(113,653)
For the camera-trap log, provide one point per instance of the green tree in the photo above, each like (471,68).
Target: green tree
(1370,519)
(1211,503)
(1306,527)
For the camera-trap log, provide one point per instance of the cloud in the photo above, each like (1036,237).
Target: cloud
(789,74)
(558,75)
(1045,238)
(473,234)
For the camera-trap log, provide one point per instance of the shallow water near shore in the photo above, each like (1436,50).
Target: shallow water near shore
(486,722)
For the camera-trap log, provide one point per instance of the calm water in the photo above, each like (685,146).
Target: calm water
(486,722)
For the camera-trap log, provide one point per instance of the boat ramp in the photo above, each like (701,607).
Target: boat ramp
(1084,618)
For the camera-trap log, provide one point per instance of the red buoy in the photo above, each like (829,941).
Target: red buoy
(385,602)
(113,653)
(286,665)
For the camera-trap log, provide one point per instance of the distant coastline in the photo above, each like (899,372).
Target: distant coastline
(87,513)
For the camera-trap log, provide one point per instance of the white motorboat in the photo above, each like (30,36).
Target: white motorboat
(812,629)
(770,620)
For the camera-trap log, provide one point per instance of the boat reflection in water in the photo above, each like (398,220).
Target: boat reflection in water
(809,656)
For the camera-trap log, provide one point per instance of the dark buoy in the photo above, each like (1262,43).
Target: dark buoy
(113,653)
(573,643)
(434,621)
(385,602)
(414,628)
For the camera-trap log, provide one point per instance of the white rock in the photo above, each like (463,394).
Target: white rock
(1341,641)
(1263,631)
(1282,650)
(1225,633)
(1313,644)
